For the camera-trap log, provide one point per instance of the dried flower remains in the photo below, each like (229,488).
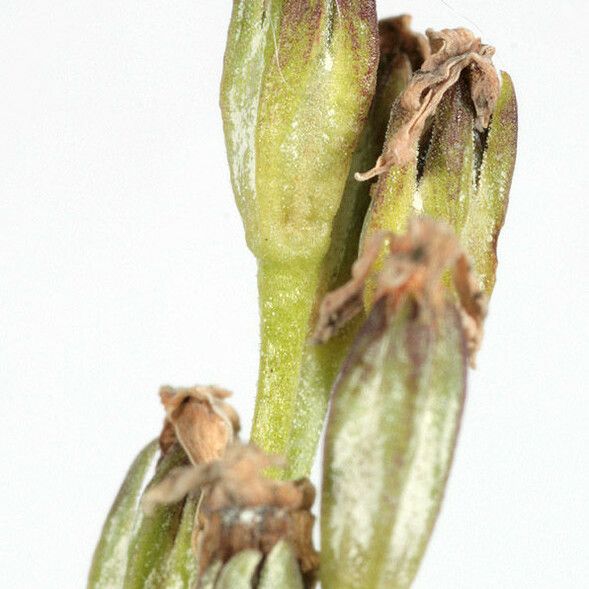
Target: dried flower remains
(200,419)
(241,508)
(452,52)
(414,266)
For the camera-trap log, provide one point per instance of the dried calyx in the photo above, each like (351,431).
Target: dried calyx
(241,508)
(414,267)
(399,43)
(200,419)
(453,51)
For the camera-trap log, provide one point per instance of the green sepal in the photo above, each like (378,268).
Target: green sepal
(154,534)
(448,177)
(487,209)
(389,445)
(465,181)
(111,554)
(181,568)
(239,571)
(209,577)
(281,569)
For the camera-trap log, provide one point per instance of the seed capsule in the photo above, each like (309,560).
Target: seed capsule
(154,535)
(396,411)
(297,84)
(457,163)
(153,545)
(111,555)
(390,441)
(242,510)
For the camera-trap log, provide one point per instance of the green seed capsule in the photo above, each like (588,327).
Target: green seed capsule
(154,535)
(297,84)
(181,568)
(110,557)
(456,173)
(389,445)
(240,570)
(281,569)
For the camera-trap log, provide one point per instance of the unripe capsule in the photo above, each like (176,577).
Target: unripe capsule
(396,407)
(455,165)
(389,446)
(109,563)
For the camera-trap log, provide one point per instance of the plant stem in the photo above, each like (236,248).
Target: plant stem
(287,294)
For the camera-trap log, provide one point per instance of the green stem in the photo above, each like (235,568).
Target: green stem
(287,295)
(320,365)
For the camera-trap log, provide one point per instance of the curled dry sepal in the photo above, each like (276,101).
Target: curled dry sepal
(452,52)
(241,509)
(200,419)
(413,266)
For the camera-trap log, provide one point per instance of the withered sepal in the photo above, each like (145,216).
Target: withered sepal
(200,419)
(231,530)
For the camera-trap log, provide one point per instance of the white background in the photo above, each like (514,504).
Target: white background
(123,266)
